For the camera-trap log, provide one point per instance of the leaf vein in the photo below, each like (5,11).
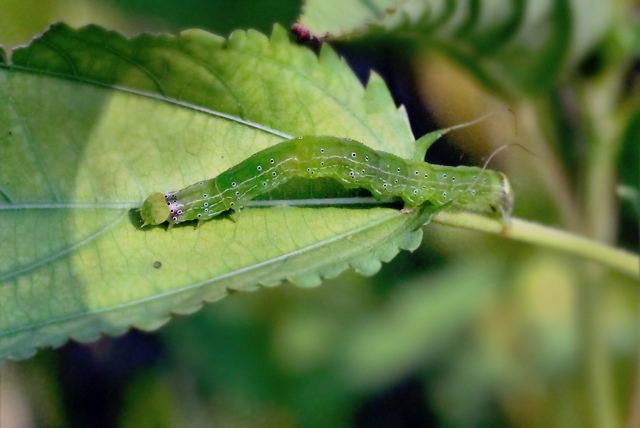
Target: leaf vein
(62,252)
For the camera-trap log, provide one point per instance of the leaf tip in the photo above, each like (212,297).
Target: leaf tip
(201,35)
(375,79)
(59,27)
(242,38)
(308,280)
(377,94)
(270,282)
(56,27)
(255,35)
(236,38)
(279,34)
(423,143)
(152,324)
(412,240)
(366,265)
(328,55)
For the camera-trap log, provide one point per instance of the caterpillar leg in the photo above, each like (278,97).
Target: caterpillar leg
(410,204)
(234,215)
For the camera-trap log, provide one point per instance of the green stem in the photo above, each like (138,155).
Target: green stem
(533,233)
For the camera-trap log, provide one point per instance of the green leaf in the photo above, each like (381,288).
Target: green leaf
(423,143)
(92,122)
(511,45)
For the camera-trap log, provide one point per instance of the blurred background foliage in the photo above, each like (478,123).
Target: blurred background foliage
(467,331)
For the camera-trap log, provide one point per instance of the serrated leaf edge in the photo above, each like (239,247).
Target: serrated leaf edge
(409,240)
(328,59)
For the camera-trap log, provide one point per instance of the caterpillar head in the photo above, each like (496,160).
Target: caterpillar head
(154,210)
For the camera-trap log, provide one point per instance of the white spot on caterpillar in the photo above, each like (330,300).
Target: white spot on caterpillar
(415,191)
(353,155)
(444,175)
(206,204)
(274,173)
(366,158)
(172,202)
(259,167)
(321,149)
(272,161)
(352,173)
(322,163)
(264,184)
(234,184)
(237,193)
(417,172)
(205,196)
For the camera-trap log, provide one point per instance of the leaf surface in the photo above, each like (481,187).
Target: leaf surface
(92,122)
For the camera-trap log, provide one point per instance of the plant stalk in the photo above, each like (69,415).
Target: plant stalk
(520,230)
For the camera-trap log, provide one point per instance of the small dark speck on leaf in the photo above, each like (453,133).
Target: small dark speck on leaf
(157,264)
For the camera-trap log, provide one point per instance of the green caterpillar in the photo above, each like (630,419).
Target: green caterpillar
(350,162)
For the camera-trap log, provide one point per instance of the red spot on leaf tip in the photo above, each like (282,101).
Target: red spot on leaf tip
(303,34)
